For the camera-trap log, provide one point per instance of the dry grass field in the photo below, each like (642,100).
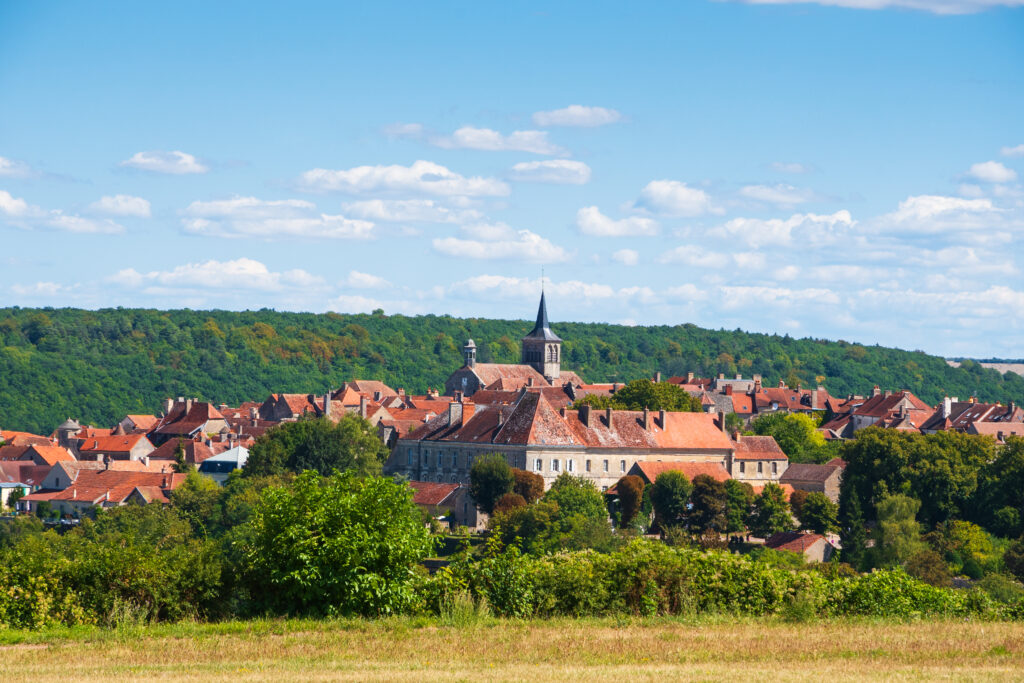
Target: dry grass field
(591,650)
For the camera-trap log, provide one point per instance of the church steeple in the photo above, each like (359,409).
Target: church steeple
(542,348)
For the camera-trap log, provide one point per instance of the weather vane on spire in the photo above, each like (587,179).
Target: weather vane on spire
(542,279)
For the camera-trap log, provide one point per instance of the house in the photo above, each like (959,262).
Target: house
(533,435)
(961,416)
(649,471)
(758,459)
(195,450)
(448,500)
(814,547)
(35,453)
(105,488)
(821,478)
(25,472)
(134,446)
(139,423)
(187,418)
(13,438)
(219,467)
(997,430)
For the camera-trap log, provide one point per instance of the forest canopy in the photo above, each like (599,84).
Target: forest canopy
(99,365)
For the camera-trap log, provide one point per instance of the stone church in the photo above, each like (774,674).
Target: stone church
(540,364)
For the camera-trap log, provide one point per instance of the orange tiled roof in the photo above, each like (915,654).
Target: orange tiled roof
(111,444)
(431,493)
(758,448)
(51,455)
(652,470)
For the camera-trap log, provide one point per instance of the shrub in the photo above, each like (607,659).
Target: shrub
(928,566)
(509,501)
(490,478)
(339,545)
(529,485)
(631,491)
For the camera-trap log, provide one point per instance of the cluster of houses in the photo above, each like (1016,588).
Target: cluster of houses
(523,411)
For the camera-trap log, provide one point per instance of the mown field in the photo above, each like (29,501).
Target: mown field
(592,650)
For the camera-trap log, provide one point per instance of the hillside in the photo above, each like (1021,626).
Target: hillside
(99,365)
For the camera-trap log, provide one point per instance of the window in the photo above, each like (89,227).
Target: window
(439,457)
(570,465)
(743,467)
(538,465)
(775,468)
(588,466)
(605,465)
(760,468)
(455,461)
(409,457)
(554,465)
(622,465)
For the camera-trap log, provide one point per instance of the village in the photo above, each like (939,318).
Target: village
(535,414)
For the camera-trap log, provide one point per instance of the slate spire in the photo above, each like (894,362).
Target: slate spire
(542,330)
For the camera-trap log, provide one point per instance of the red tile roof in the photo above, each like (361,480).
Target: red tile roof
(430,493)
(758,448)
(793,541)
(195,451)
(650,471)
(51,455)
(12,438)
(111,444)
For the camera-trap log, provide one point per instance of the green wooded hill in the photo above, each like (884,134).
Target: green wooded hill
(99,365)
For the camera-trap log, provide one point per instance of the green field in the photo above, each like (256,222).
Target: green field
(592,650)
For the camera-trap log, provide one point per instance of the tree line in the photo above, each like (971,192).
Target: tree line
(99,365)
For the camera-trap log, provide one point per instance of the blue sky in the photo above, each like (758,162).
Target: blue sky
(837,168)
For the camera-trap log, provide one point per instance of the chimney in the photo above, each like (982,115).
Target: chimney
(401,392)
(584,414)
(362,407)
(721,375)
(728,390)
(327,404)
(875,391)
(947,407)
(615,387)
(888,393)
(188,405)
(168,405)
(468,408)
(455,413)
(647,420)
(608,418)
(972,399)
(661,419)
(814,399)
(721,422)
(529,381)
(739,376)
(782,384)
(458,397)
(144,460)
(757,383)
(254,413)
(689,377)
(657,376)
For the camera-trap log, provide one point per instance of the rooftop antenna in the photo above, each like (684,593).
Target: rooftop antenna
(542,279)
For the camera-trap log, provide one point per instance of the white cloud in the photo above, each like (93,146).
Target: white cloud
(527,246)
(674,198)
(409,211)
(935,6)
(359,280)
(992,172)
(591,221)
(693,255)
(781,194)
(627,257)
(121,205)
(485,139)
(934,214)
(558,171)
(354,303)
(15,207)
(758,232)
(790,167)
(241,274)
(491,232)
(251,217)
(24,215)
(40,289)
(577,115)
(174,163)
(735,297)
(14,169)
(1016,151)
(422,177)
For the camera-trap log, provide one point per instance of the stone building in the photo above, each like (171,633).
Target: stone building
(541,364)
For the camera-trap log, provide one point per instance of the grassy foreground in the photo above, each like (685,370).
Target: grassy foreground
(595,650)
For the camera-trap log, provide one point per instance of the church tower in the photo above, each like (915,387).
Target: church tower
(542,348)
